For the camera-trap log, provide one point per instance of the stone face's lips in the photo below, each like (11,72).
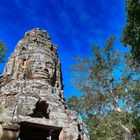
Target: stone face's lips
(31,92)
(41,74)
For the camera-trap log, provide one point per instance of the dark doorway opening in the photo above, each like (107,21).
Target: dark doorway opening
(36,132)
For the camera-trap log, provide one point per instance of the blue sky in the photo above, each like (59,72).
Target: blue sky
(74,25)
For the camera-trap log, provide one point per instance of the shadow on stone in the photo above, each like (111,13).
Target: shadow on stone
(41,110)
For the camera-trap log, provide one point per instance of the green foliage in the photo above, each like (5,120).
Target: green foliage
(110,86)
(3,49)
(131,32)
(110,127)
(136,123)
(73,103)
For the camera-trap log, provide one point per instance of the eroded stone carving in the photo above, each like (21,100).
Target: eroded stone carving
(31,93)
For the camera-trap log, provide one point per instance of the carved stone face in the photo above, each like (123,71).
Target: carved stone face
(44,69)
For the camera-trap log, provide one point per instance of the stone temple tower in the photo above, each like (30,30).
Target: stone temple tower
(32,105)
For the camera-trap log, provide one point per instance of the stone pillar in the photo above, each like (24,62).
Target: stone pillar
(63,136)
(10,135)
(1,132)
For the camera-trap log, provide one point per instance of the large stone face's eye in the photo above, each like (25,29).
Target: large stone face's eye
(40,68)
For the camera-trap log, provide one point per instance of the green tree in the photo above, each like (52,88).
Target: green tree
(3,49)
(131,32)
(107,81)
(110,127)
(136,130)
(73,103)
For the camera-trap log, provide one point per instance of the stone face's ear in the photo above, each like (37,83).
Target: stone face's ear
(59,78)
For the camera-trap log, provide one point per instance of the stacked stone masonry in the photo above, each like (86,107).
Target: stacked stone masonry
(32,104)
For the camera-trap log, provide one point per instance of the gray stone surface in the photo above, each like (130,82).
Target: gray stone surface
(31,89)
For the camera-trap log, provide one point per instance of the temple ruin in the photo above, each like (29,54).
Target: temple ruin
(32,104)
